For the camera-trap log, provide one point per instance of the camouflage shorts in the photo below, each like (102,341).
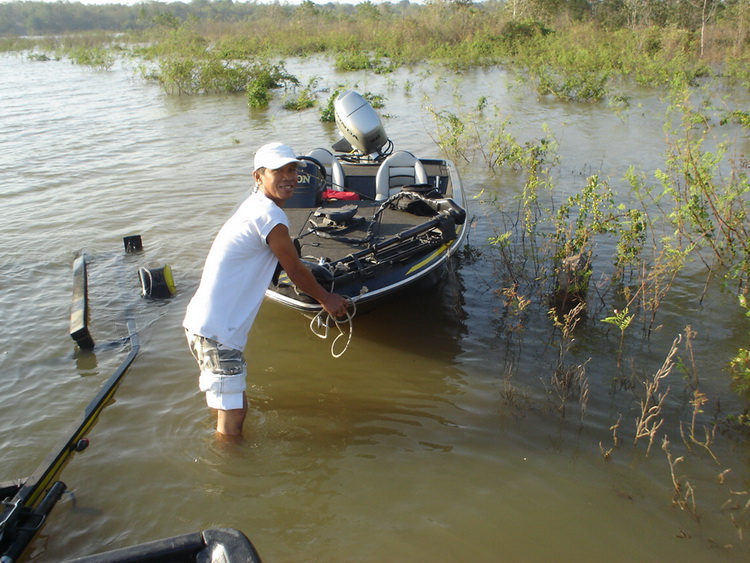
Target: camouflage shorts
(223,372)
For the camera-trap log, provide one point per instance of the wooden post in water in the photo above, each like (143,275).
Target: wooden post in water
(79,314)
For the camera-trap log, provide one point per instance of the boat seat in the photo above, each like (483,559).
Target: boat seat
(333,167)
(400,169)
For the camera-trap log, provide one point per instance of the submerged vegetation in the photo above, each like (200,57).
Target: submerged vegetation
(694,211)
(601,260)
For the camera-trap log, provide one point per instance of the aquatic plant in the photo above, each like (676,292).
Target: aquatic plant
(96,57)
(212,75)
(607,454)
(41,56)
(452,133)
(363,61)
(568,380)
(706,210)
(683,495)
(304,98)
(327,113)
(650,417)
(266,76)
(583,215)
(208,72)
(376,100)
(739,365)
(689,436)
(632,234)
(179,41)
(621,319)
(179,75)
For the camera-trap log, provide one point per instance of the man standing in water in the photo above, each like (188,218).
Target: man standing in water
(237,272)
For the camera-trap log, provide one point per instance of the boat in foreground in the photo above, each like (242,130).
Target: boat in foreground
(371,222)
(215,545)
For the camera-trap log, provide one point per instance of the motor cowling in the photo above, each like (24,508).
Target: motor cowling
(359,123)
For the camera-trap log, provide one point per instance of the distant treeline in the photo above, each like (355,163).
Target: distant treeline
(40,18)
(37,18)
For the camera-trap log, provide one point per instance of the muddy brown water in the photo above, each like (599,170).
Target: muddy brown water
(436,437)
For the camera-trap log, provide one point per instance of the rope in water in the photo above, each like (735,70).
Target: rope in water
(318,321)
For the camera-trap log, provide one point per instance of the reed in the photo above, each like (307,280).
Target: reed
(650,418)
(569,381)
(607,454)
(737,507)
(689,437)
(516,305)
(683,494)
(516,400)
(690,369)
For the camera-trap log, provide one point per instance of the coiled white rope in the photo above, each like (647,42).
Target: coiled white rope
(322,321)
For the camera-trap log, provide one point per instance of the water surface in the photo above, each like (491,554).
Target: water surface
(436,437)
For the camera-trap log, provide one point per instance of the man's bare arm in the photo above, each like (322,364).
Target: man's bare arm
(281,245)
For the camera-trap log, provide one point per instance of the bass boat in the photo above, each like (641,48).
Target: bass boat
(369,221)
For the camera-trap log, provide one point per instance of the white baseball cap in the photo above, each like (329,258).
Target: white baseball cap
(274,156)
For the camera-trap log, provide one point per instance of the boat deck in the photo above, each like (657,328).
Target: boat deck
(314,244)
(361,180)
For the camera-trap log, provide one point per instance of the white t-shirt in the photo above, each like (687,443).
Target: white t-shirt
(237,272)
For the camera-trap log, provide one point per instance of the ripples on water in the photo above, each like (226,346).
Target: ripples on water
(412,446)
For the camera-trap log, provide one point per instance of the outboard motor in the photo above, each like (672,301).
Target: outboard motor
(359,123)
